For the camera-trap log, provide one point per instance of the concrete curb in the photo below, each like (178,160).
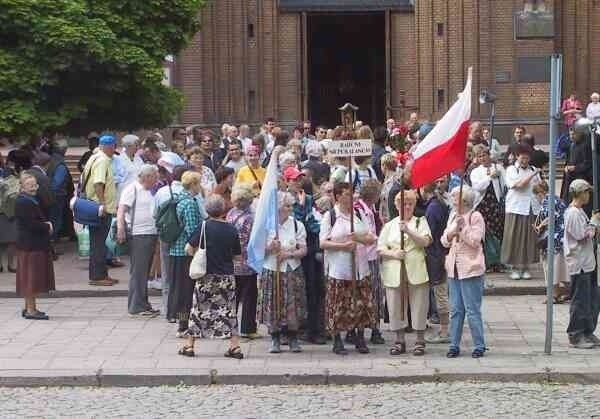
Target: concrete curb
(213,378)
(94,293)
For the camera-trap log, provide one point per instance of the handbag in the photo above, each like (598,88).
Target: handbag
(85,211)
(542,234)
(198,263)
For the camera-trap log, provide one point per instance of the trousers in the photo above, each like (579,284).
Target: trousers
(97,264)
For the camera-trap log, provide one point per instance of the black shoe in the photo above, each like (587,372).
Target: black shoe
(408,329)
(317,340)
(361,345)
(376,338)
(38,315)
(350,336)
(338,346)
(453,353)
(478,353)
(285,340)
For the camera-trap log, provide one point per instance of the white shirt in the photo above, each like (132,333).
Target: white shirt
(134,195)
(521,201)
(290,239)
(246,142)
(481,181)
(578,247)
(338,263)
(363,175)
(132,169)
(163,195)
(270,140)
(593,110)
(236,165)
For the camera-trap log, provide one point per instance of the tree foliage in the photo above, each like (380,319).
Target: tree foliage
(80,65)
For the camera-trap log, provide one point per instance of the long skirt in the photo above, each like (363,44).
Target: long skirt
(378,292)
(35,273)
(346,311)
(519,242)
(213,313)
(292,307)
(180,299)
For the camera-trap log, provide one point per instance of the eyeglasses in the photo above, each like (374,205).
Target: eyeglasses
(234,149)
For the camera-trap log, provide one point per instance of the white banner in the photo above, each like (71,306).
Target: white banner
(346,148)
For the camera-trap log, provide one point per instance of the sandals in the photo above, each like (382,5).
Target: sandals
(187,351)
(399,348)
(235,353)
(453,353)
(419,349)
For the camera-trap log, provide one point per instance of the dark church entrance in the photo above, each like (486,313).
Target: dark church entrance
(346,63)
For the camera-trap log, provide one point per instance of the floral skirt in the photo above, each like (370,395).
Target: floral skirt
(378,292)
(345,311)
(213,313)
(292,307)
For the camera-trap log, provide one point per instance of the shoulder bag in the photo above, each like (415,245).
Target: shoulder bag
(198,264)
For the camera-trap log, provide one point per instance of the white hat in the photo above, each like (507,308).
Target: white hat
(170,161)
(578,186)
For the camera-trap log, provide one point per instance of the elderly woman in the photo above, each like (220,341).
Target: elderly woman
(213,312)
(135,222)
(35,272)
(561,276)
(389,167)
(208,180)
(349,299)
(415,294)
(488,179)
(246,292)
(593,108)
(282,295)
(365,208)
(519,240)
(188,214)
(465,265)
(581,265)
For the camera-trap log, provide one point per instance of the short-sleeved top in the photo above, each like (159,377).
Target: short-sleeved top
(521,201)
(222,244)
(98,169)
(291,235)
(188,214)
(134,195)
(578,247)
(244,175)
(338,263)
(242,220)
(207,179)
(390,239)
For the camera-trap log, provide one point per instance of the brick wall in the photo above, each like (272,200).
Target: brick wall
(229,76)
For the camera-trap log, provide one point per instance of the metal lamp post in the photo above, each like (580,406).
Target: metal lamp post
(490,98)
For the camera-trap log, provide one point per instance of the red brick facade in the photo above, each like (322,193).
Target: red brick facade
(249,60)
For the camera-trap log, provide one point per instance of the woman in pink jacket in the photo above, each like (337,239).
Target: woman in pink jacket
(465,265)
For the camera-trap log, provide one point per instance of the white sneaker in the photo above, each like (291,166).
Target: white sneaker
(526,275)
(515,275)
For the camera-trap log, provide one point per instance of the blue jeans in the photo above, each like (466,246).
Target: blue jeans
(465,297)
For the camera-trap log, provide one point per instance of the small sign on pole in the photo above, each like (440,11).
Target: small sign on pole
(350,148)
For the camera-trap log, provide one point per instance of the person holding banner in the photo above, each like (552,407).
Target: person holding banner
(349,300)
(411,256)
(465,265)
(282,291)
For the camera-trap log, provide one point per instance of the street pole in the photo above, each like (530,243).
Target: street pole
(492,121)
(555,95)
(594,166)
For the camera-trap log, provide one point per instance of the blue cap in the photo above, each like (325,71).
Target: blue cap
(108,140)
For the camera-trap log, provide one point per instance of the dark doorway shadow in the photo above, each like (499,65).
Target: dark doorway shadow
(346,62)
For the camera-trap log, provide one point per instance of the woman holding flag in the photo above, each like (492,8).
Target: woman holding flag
(282,294)
(349,300)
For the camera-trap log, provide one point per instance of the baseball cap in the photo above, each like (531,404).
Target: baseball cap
(108,140)
(291,173)
(579,185)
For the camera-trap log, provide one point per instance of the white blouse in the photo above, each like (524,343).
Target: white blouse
(521,201)
(290,239)
(480,179)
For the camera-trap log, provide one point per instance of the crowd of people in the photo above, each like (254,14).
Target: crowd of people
(355,245)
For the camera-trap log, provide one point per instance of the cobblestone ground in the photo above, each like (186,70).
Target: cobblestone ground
(472,400)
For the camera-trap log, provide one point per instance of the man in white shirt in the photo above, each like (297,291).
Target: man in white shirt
(129,162)
(244,137)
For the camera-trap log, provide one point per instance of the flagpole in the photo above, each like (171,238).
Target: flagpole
(353,253)
(403,273)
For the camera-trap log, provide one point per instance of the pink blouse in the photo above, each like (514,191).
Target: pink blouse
(466,251)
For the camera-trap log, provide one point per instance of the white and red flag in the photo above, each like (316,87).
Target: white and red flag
(445,147)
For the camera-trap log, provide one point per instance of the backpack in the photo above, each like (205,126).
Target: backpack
(167,223)
(9,190)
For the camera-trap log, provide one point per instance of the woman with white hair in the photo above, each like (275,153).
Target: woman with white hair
(282,293)
(465,265)
(593,108)
(213,312)
(135,223)
(246,292)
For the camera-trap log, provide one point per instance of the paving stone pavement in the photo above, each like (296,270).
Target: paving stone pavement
(445,400)
(92,341)
(72,279)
